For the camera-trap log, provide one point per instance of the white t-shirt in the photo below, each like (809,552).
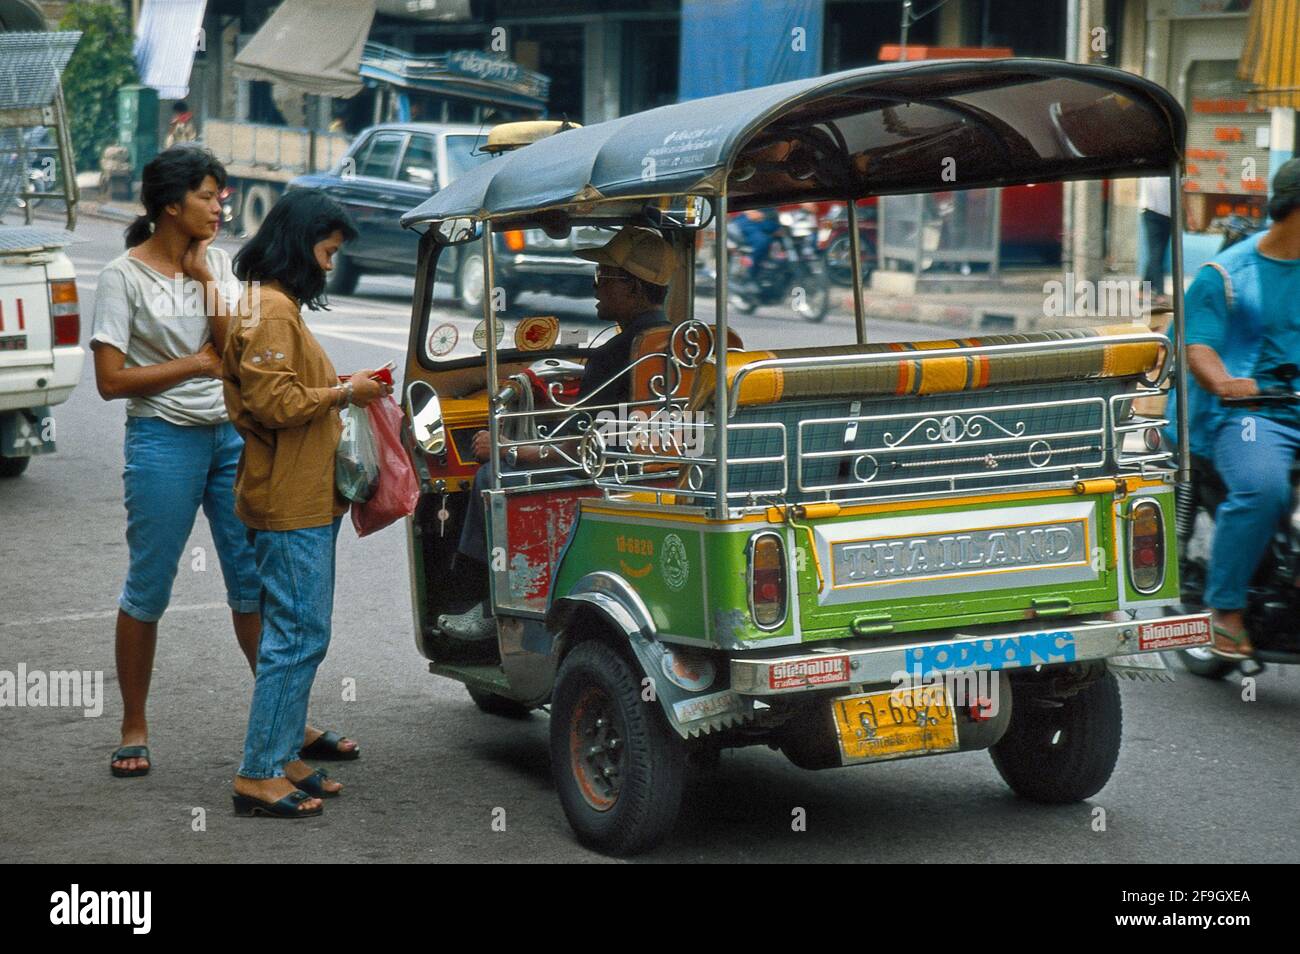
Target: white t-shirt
(1153,194)
(151,318)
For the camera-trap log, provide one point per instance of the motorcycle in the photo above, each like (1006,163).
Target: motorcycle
(839,261)
(793,271)
(1273,600)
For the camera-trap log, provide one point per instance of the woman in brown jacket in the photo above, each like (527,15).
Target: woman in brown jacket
(284,397)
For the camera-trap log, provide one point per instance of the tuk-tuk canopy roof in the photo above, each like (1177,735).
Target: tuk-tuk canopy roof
(889,129)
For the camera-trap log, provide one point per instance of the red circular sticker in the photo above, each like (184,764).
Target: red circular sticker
(538,333)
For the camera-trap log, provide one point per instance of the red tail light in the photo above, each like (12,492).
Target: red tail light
(767,579)
(1146,546)
(65,313)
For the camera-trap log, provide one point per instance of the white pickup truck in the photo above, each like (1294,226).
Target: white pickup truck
(40,334)
(40,317)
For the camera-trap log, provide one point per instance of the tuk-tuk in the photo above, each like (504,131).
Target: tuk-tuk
(851,553)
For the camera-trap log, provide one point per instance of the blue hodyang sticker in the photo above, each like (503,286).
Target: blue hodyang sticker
(1006,652)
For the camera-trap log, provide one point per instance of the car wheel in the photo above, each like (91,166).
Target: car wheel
(1060,749)
(343,277)
(13,466)
(619,768)
(255,207)
(469,282)
(493,704)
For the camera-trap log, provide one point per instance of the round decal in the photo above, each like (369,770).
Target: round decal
(690,672)
(480,334)
(442,340)
(538,333)
(673,562)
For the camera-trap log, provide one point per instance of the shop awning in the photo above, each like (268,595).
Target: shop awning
(1270,60)
(311,45)
(165,40)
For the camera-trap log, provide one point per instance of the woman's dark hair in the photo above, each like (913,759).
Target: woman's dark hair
(283,249)
(169,177)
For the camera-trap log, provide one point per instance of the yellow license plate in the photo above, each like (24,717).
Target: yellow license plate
(908,720)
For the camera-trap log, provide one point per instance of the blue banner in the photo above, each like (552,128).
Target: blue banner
(739,44)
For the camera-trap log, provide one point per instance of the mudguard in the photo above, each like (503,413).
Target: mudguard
(694,690)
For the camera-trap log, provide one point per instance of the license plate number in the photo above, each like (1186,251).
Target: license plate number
(893,723)
(14,343)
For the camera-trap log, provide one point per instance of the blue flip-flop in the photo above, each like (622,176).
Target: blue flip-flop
(130,752)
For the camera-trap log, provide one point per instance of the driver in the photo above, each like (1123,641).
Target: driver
(1243,320)
(632,275)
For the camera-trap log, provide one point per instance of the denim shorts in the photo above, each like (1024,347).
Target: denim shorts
(172,470)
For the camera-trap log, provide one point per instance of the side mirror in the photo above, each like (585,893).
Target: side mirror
(425,413)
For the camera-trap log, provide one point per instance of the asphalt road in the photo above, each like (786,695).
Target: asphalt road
(1203,777)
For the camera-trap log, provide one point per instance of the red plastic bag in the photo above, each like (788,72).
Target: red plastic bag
(398,491)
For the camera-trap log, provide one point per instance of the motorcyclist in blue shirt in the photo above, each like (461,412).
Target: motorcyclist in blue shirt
(1243,320)
(757,229)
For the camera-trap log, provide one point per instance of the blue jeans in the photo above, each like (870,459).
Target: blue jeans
(297,571)
(1259,496)
(172,470)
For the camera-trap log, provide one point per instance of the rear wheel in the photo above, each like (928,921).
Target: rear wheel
(343,277)
(1061,749)
(493,704)
(619,768)
(13,466)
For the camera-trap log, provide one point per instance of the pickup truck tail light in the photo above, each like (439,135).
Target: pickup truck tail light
(767,579)
(1146,546)
(65,312)
(515,241)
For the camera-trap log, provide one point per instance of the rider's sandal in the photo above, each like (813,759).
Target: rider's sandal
(314,785)
(130,752)
(246,806)
(1237,639)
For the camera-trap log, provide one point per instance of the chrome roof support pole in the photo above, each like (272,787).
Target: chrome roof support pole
(1180,324)
(855,251)
(490,330)
(720,410)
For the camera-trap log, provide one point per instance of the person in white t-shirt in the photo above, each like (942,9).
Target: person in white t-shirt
(160,321)
(1153,197)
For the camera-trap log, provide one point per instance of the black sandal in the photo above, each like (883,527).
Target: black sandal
(314,785)
(246,806)
(325,748)
(130,752)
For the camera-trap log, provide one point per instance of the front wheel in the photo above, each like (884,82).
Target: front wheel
(13,466)
(1201,662)
(1061,749)
(619,768)
(470,286)
(811,296)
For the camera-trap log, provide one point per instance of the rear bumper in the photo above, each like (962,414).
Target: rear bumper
(41,385)
(991,648)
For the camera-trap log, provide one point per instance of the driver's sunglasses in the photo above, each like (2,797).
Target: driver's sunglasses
(614,275)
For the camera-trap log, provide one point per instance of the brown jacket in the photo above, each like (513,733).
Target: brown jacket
(279,392)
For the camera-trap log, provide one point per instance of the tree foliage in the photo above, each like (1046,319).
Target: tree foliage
(102,62)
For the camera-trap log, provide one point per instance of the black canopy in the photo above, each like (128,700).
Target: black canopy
(895,128)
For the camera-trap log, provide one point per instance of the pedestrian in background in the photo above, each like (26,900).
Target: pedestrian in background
(1153,198)
(181,128)
(284,397)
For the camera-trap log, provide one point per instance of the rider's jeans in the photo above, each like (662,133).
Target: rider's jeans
(1254,455)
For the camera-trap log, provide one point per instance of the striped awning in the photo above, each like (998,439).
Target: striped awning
(1270,60)
(166,39)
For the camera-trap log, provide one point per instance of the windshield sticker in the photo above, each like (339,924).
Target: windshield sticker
(480,334)
(442,340)
(538,333)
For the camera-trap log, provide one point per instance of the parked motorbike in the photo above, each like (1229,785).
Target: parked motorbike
(1273,601)
(838,252)
(793,272)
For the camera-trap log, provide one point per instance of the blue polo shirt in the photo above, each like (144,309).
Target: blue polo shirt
(1257,332)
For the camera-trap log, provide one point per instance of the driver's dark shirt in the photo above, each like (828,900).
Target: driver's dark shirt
(605,361)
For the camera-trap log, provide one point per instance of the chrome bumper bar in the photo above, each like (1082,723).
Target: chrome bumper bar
(831,666)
